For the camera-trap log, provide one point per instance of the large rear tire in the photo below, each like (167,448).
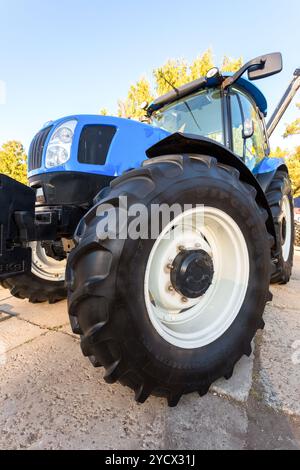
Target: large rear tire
(162,341)
(280,199)
(45,282)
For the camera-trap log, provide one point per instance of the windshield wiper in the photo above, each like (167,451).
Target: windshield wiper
(192,114)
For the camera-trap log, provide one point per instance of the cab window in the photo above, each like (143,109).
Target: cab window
(199,114)
(244,113)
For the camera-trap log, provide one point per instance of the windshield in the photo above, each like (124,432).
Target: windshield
(199,114)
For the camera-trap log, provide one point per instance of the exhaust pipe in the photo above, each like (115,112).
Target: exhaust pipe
(284,103)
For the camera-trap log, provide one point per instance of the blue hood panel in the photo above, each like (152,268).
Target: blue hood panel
(127,150)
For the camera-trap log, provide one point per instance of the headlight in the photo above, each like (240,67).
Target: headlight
(59,147)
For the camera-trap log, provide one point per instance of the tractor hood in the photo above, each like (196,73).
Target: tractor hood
(101,145)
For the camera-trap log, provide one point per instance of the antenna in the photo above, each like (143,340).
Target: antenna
(168,82)
(184,102)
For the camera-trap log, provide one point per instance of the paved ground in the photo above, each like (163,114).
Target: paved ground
(52,398)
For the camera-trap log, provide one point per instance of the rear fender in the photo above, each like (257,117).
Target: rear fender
(267,169)
(179,143)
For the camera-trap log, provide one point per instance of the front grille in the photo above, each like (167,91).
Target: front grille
(36,149)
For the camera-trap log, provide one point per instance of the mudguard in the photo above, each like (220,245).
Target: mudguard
(180,143)
(266,170)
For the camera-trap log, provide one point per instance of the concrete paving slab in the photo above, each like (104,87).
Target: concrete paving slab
(4,294)
(55,317)
(239,386)
(14,333)
(43,315)
(278,368)
(270,430)
(51,398)
(286,296)
(206,423)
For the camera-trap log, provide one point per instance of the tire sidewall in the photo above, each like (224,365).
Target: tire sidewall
(284,267)
(287,191)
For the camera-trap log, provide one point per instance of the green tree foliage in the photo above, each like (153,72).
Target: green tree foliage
(13,161)
(138,93)
(294,127)
(293,161)
(231,65)
(279,153)
(103,112)
(173,73)
(201,65)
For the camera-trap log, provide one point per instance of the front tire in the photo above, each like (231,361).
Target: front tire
(108,282)
(45,282)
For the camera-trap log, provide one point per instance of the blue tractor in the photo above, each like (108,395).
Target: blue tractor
(170,303)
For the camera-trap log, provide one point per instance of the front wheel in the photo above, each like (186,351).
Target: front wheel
(45,282)
(169,314)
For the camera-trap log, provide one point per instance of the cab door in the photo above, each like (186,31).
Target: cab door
(248,136)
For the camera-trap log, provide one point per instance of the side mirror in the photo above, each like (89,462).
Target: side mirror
(260,67)
(270,64)
(248,129)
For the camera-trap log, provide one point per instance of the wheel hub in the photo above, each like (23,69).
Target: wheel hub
(192,273)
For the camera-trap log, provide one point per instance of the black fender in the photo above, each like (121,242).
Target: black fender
(180,143)
(265,179)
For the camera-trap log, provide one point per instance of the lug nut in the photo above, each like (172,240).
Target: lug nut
(184,300)
(170,266)
(181,248)
(171,289)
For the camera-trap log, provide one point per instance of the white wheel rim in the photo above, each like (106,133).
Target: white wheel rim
(287,216)
(44,266)
(197,322)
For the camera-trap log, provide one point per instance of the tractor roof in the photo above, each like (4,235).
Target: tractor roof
(203,82)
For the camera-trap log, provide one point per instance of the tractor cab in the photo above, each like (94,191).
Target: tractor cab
(228,109)
(205,113)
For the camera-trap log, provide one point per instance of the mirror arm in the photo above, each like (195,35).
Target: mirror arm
(257,64)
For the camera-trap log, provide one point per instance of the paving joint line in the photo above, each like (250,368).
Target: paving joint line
(55,329)
(26,342)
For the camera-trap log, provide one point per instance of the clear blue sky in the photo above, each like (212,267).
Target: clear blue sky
(61,57)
